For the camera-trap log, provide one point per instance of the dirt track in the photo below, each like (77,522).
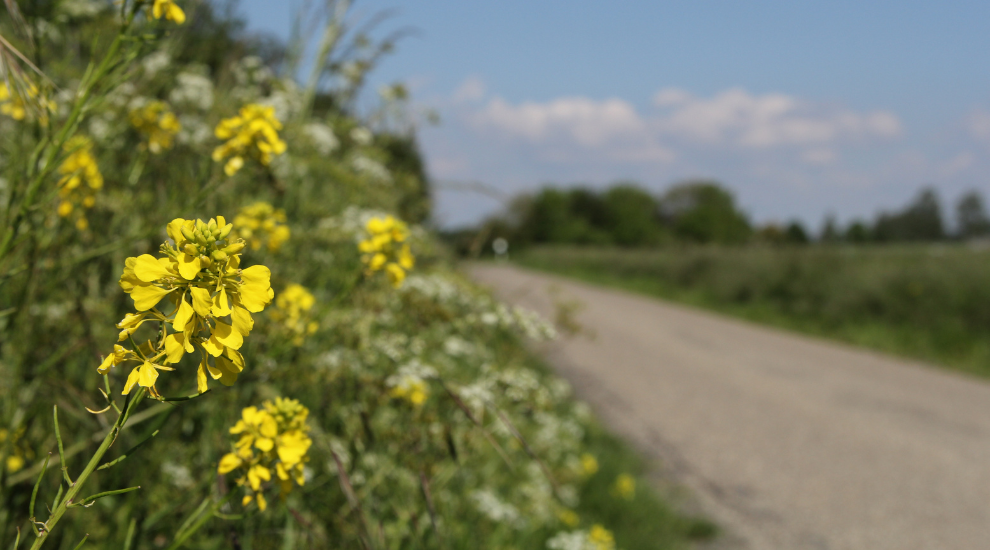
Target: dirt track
(789,442)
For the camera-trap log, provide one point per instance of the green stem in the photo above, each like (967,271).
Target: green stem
(200,521)
(94,462)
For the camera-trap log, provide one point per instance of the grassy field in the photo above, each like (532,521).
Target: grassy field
(928,302)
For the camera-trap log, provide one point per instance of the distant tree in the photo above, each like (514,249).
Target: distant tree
(704,212)
(795,233)
(830,230)
(770,233)
(632,215)
(858,232)
(920,221)
(971,216)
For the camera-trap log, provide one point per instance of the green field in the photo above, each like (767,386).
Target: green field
(928,302)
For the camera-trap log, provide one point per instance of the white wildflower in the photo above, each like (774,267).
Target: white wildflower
(322,137)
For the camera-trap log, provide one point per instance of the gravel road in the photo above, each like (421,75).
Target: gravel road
(789,442)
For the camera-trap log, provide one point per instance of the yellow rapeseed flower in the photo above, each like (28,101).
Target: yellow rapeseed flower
(385,248)
(273,440)
(80,180)
(412,389)
(170,10)
(252,133)
(568,517)
(624,487)
(601,538)
(213,298)
(158,123)
(18,454)
(589,464)
(16,106)
(292,312)
(260,224)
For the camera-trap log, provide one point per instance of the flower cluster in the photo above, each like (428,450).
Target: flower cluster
(158,123)
(261,224)
(15,105)
(252,133)
(624,487)
(80,180)
(273,439)
(589,464)
(409,383)
(169,10)
(200,275)
(386,249)
(19,453)
(292,311)
(596,538)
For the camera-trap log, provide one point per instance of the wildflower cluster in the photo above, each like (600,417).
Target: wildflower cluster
(252,133)
(18,453)
(81,179)
(292,312)
(262,224)
(200,274)
(273,439)
(624,487)
(15,105)
(169,10)
(386,249)
(596,538)
(156,121)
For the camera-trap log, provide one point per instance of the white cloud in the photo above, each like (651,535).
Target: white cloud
(979,124)
(735,117)
(472,89)
(611,128)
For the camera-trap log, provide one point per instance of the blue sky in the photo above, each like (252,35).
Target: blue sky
(801,108)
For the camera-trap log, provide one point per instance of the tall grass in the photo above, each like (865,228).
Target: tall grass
(930,302)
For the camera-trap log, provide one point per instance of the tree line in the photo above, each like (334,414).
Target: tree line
(701,212)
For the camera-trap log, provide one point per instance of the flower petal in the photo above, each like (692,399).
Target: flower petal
(221,304)
(148,269)
(201,300)
(213,347)
(189,266)
(229,463)
(226,335)
(241,320)
(182,315)
(175,347)
(147,296)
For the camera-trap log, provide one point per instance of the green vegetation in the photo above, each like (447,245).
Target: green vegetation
(929,302)
(421,421)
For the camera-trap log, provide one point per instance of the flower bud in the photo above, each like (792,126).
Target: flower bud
(219,255)
(234,248)
(191,249)
(189,234)
(212,226)
(205,261)
(225,230)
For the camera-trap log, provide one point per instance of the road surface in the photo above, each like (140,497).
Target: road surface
(789,442)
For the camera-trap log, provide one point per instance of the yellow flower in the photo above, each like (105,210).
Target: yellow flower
(601,538)
(568,517)
(589,464)
(169,10)
(252,133)
(292,309)
(624,487)
(19,454)
(272,438)
(15,104)
(385,248)
(411,388)
(261,224)
(158,123)
(213,301)
(80,179)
